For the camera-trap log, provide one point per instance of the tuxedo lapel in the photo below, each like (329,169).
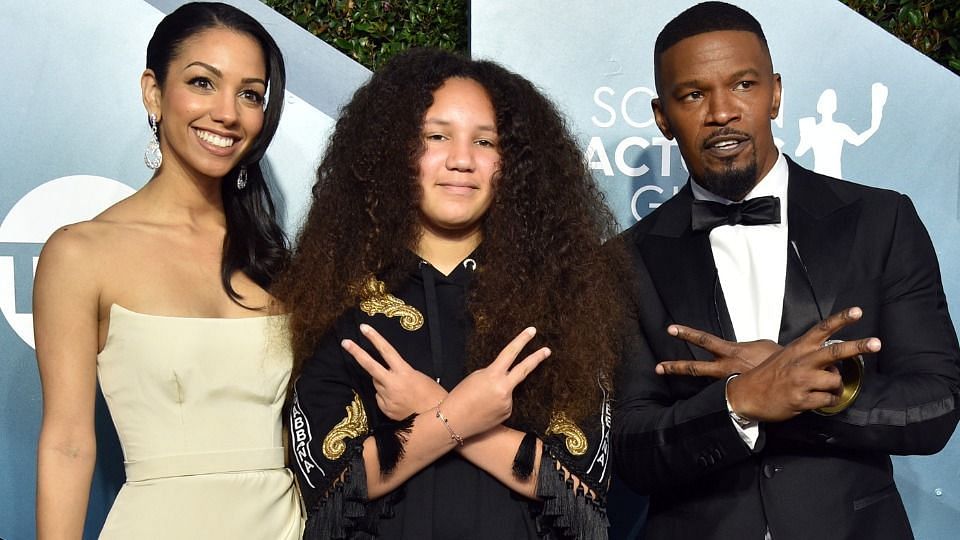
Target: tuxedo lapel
(821,232)
(821,228)
(800,309)
(683,271)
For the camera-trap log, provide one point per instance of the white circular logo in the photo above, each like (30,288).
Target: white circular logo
(27,226)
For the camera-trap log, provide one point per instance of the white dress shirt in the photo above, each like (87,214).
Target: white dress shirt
(751,264)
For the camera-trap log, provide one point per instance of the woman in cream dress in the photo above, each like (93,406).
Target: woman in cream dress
(164,297)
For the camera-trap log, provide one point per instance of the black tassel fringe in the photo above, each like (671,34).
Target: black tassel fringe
(390,437)
(345,511)
(334,516)
(526,455)
(565,510)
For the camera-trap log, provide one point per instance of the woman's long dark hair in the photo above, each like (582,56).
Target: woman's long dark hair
(543,261)
(254,243)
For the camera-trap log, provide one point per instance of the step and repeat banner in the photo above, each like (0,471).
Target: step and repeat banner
(72,133)
(857,104)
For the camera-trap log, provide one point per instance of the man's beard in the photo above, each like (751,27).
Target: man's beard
(730,182)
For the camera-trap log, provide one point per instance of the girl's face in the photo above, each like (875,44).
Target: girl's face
(211,106)
(460,158)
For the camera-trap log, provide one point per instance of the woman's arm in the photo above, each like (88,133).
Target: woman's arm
(65,315)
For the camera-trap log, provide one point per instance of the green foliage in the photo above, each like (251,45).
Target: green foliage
(371,31)
(930,26)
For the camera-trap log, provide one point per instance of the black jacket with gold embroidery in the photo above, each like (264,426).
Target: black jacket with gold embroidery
(334,410)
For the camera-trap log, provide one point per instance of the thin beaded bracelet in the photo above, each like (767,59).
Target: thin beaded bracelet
(446,424)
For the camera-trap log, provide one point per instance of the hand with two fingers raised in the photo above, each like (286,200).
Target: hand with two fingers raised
(800,377)
(401,390)
(729,356)
(481,401)
(484,398)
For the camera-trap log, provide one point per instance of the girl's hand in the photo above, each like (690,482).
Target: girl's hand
(401,390)
(484,398)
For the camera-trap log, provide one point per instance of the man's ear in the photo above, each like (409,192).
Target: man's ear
(661,118)
(775,104)
(150,89)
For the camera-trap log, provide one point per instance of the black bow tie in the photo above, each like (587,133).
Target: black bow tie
(758,211)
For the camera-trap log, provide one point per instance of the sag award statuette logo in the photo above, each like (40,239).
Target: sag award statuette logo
(27,226)
(827,137)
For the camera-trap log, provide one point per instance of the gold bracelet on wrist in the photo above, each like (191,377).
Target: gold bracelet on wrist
(446,424)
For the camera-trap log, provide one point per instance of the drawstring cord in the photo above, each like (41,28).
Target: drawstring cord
(433,319)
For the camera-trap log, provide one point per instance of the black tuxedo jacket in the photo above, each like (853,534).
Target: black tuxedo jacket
(812,477)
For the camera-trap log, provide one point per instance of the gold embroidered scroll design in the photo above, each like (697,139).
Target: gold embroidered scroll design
(575,440)
(352,426)
(376,299)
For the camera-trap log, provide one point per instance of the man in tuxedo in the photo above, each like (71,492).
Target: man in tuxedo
(727,399)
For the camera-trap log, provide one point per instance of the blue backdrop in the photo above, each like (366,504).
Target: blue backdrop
(73,131)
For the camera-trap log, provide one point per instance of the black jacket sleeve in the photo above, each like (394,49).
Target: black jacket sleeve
(666,437)
(328,424)
(908,399)
(576,509)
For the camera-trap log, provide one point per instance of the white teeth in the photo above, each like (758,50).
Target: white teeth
(725,144)
(214,139)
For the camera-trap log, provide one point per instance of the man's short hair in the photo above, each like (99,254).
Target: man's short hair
(702,18)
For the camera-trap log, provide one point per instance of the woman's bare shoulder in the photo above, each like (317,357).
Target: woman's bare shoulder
(88,259)
(76,251)
(95,240)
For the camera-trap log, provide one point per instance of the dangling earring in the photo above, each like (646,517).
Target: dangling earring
(152,157)
(242,178)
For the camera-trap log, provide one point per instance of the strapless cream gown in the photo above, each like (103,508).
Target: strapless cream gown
(196,403)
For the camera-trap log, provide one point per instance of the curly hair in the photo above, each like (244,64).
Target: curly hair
(544,261)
